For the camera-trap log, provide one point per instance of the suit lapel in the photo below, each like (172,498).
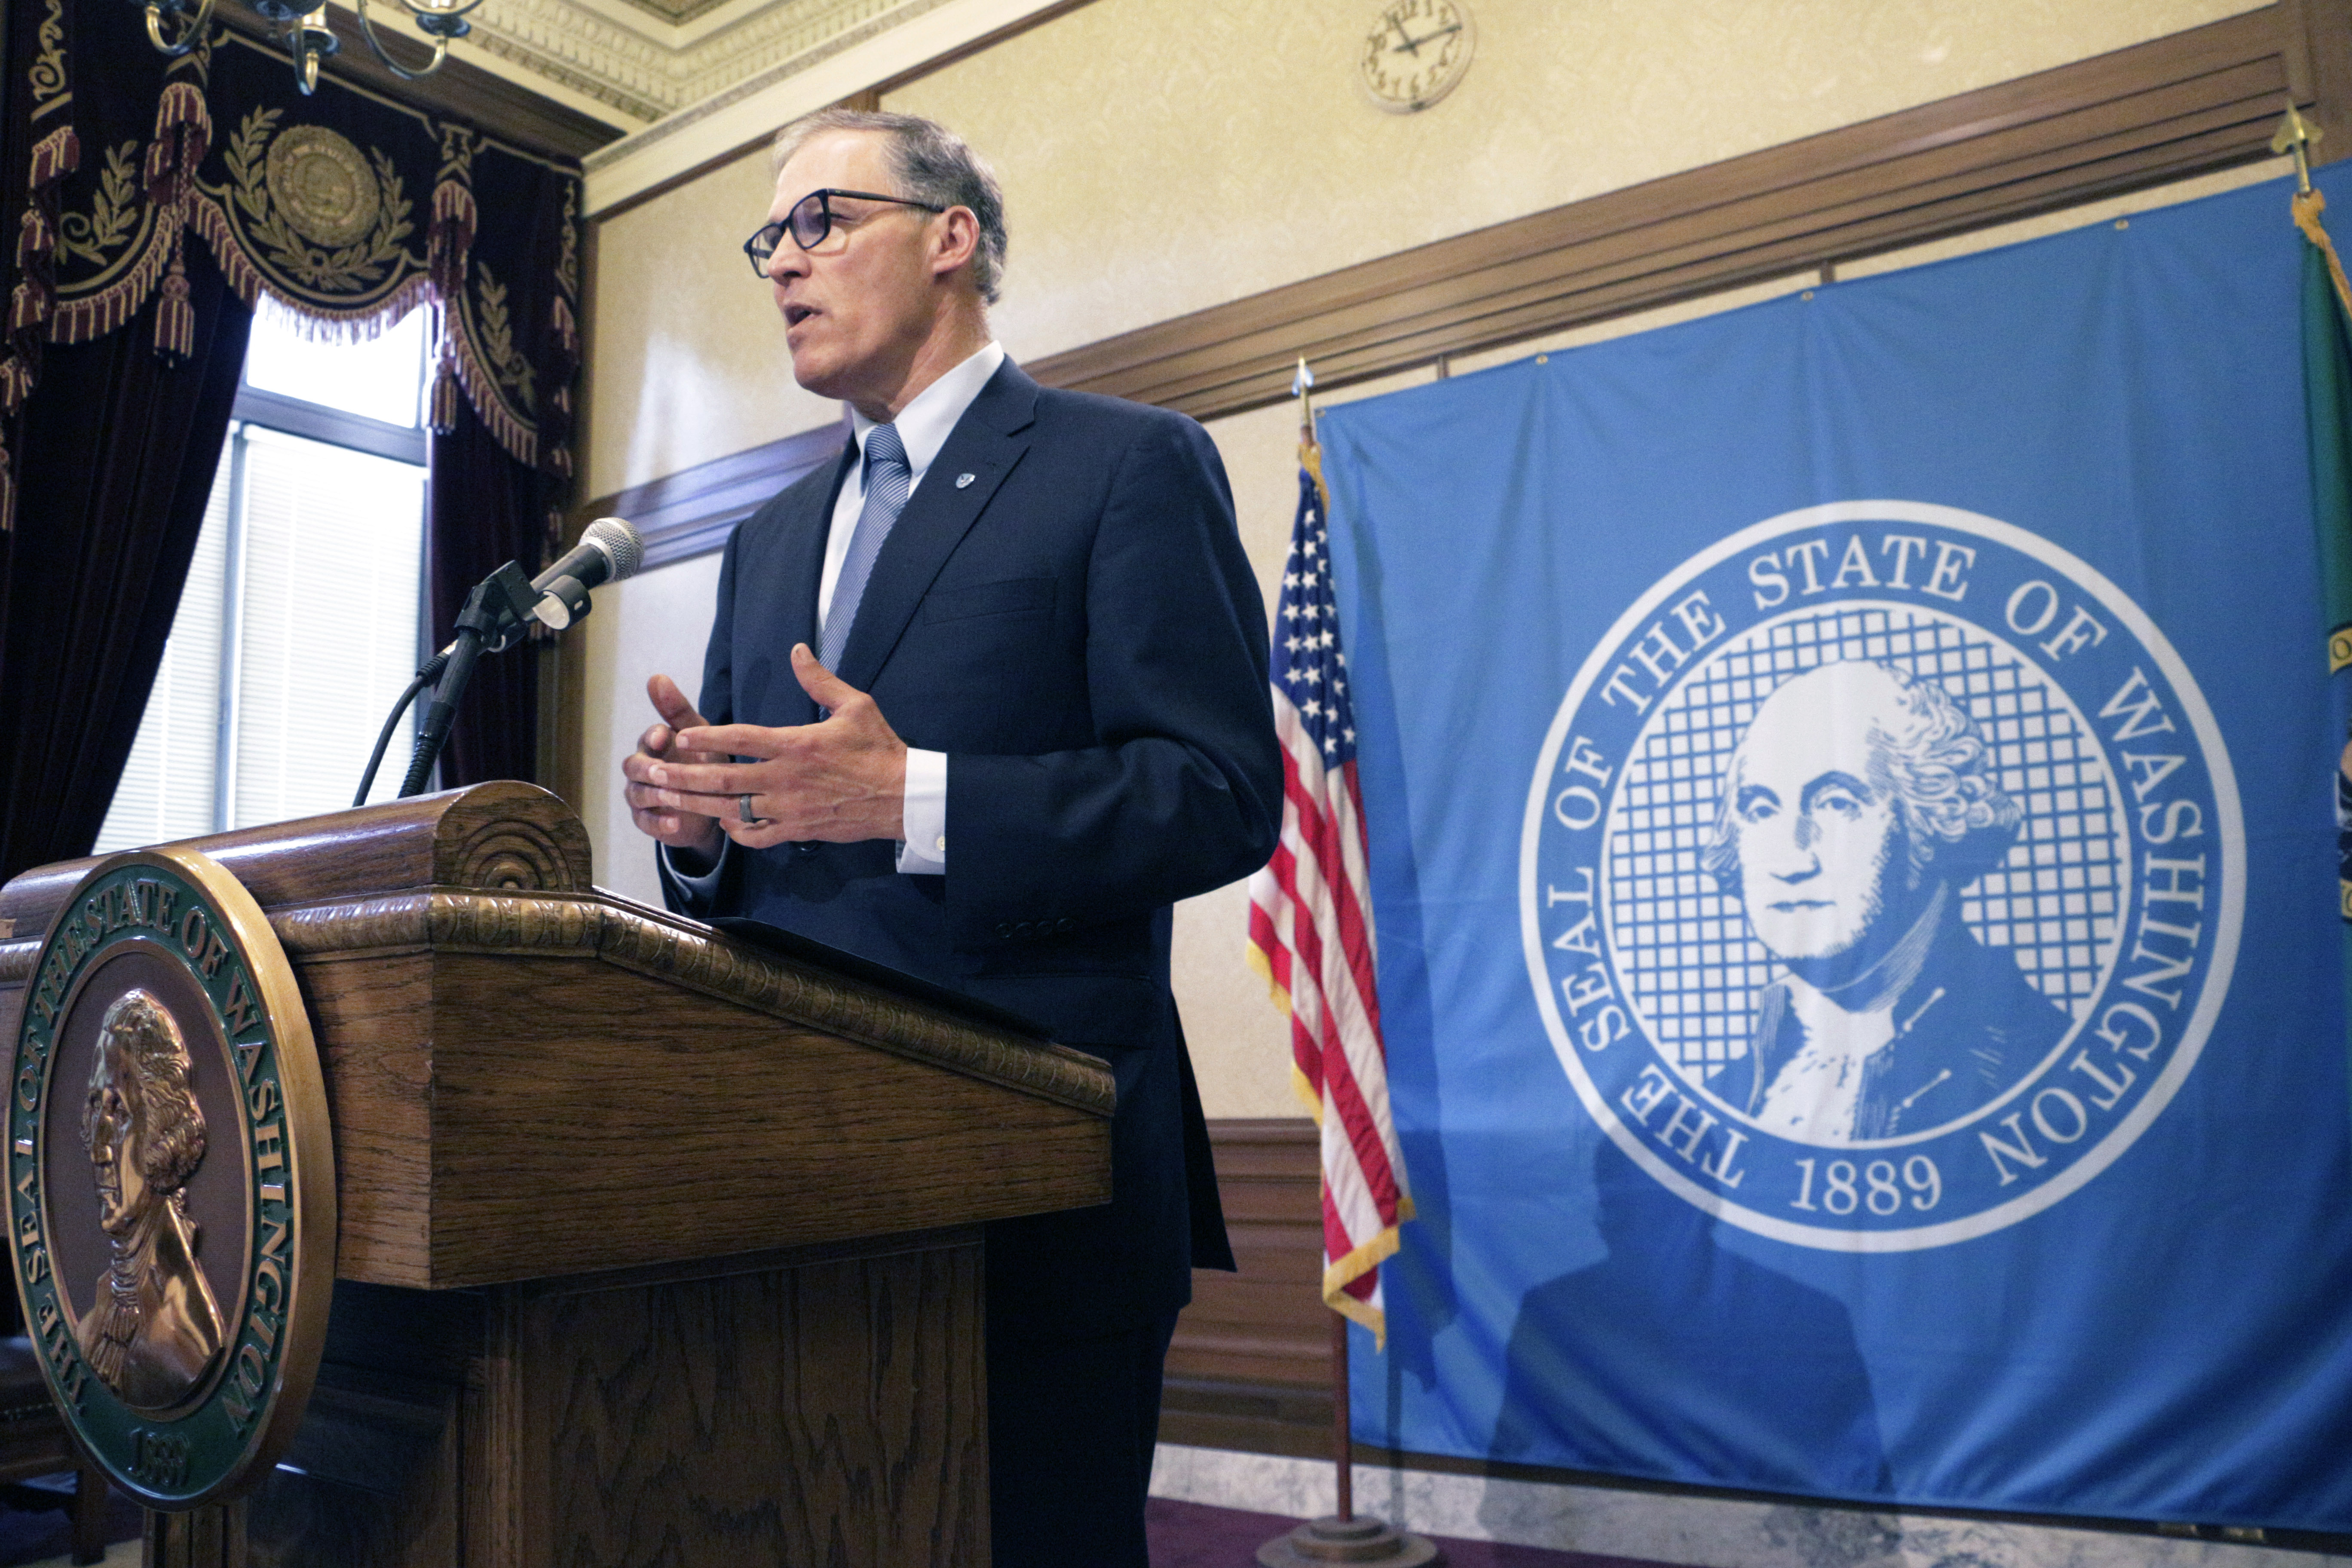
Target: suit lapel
(985,444)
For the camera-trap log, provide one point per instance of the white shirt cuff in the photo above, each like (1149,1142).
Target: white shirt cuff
(924,852)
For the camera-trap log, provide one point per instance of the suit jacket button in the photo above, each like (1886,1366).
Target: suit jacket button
(1005,929)
(804,848)
(1065,923)
(1024,928)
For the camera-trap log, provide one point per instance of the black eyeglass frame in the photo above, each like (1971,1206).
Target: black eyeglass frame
(773,233)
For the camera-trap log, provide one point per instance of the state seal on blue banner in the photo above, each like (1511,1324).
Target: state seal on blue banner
(1882,877)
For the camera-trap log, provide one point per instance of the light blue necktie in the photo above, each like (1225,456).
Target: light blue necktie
(888,481)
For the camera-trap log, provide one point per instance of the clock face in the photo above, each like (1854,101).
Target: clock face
(1416,51)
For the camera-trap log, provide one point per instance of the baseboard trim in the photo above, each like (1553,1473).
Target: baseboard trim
(1253,1418)
(1702,1527)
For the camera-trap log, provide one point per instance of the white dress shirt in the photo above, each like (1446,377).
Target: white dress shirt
(923,426)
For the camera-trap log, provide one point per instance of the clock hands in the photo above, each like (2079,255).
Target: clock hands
(1412,46)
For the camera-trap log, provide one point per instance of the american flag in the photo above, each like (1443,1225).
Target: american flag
(1310,928)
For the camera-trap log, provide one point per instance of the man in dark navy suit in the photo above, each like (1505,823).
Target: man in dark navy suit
(982,701)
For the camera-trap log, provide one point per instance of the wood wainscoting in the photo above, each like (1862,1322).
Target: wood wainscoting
(1250,1365)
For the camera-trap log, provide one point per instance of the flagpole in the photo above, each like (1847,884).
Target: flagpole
(1343,1441)
(1342,1537)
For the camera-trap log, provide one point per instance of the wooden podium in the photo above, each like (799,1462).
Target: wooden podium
(654,1248)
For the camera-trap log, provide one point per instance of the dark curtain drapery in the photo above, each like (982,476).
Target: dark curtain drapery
(116,460)
(486,509)
(146,204)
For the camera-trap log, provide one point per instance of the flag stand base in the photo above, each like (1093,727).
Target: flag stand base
(1359,1540)
(1343,1537)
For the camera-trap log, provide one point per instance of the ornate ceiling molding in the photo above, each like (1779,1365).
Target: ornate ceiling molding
(744,78)
(689,81)
(642,65)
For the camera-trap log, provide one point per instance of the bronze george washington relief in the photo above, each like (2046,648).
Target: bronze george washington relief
(154,1330)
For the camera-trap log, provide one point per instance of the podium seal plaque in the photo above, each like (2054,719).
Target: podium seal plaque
(171,1167)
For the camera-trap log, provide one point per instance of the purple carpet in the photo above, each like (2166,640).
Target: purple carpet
(1194,1535)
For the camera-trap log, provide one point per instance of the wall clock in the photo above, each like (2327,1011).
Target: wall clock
(1416,51)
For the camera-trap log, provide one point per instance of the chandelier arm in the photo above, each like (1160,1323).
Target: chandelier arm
(440,49)
(308,40)
(188,40)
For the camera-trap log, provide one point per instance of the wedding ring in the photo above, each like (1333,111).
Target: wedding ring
(743,809)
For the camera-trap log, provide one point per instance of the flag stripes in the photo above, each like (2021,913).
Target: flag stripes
(1310,930)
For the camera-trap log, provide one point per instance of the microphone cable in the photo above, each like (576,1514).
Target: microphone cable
(425,678)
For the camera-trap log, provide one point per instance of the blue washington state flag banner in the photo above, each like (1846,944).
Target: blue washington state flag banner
(1851,806)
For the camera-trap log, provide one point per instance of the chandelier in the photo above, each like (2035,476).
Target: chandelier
(308,37)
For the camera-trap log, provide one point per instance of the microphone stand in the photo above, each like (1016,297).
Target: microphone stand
(494,619)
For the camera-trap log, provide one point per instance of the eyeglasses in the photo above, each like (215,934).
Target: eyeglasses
(810,220)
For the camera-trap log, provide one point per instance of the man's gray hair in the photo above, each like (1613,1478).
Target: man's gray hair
(929,163)
(1938,770)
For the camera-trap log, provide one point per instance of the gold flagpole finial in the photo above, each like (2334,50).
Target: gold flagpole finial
(2296,134)
(1310,452)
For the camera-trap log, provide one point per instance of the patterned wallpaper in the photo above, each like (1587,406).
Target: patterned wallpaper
(1159,158)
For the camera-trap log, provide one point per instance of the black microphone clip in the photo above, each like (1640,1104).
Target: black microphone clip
(501,610)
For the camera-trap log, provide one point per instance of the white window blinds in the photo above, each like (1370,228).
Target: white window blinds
(302,608)
(167,787)
(326,625)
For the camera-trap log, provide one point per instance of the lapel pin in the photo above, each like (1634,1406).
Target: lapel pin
(964,479)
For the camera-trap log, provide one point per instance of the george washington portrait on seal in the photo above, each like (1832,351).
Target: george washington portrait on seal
(1858,803)
(154,1331)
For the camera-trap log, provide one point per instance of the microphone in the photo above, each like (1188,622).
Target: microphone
(493,621)
(609,551)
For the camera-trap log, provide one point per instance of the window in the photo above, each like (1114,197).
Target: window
(301,619)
